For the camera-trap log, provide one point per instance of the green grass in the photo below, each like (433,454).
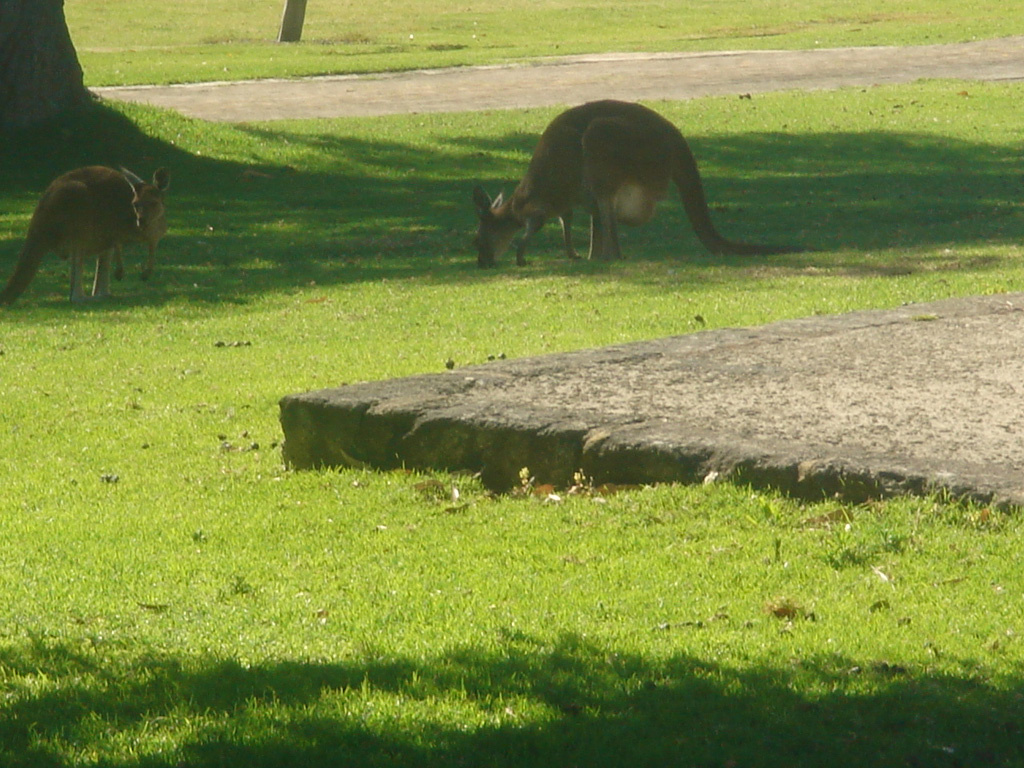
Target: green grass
(373,627)
(196,40)
(174,596)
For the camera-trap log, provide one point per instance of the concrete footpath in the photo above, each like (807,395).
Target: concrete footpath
(923,398)
(575,79)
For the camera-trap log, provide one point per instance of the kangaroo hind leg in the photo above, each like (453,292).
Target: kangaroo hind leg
(118,264)
(604,170)
(101,281)
(625,172)
(604,231)
(76,293)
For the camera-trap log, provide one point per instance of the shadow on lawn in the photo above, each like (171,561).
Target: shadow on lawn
(385,209)
(563,704)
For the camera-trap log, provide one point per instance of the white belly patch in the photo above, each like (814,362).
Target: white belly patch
(634,205)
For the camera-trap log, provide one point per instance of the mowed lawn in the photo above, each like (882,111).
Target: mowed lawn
(175,596)
(232,39)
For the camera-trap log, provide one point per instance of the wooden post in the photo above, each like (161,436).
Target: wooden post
(291,21)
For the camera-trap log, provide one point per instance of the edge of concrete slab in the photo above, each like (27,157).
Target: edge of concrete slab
(447,421)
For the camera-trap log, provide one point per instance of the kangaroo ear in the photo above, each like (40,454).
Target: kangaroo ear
(482,201)
(162,179)
(134,180)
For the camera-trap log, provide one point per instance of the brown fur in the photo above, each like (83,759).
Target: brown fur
(617,159)
(92,212)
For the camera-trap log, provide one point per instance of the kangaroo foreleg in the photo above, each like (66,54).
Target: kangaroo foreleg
(533,224)
(570,249)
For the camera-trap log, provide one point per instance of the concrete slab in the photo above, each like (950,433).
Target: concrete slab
(922,398)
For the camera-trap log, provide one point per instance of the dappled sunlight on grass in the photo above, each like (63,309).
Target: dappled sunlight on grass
(175,596)
(546,702)
(333,202)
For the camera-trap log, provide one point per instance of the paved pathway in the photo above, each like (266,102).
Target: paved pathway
(575,79)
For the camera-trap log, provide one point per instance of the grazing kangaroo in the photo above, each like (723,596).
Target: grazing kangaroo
(617,159)
(88,212)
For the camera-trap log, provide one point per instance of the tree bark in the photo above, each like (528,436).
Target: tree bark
(40,77)
(291,21)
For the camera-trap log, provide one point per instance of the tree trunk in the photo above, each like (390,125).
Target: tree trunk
(291,21)
(40,76)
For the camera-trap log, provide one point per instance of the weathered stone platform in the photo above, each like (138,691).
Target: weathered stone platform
(921,398)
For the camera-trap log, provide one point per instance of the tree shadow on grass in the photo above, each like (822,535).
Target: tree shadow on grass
(383,209)
(851,196)
(523,702)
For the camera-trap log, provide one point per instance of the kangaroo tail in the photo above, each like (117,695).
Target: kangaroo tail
(691,189)
(28,264)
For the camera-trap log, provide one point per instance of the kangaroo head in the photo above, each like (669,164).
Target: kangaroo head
(150,210)
(497,227)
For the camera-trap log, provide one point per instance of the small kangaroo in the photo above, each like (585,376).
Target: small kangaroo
(88,212)
(616,158)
